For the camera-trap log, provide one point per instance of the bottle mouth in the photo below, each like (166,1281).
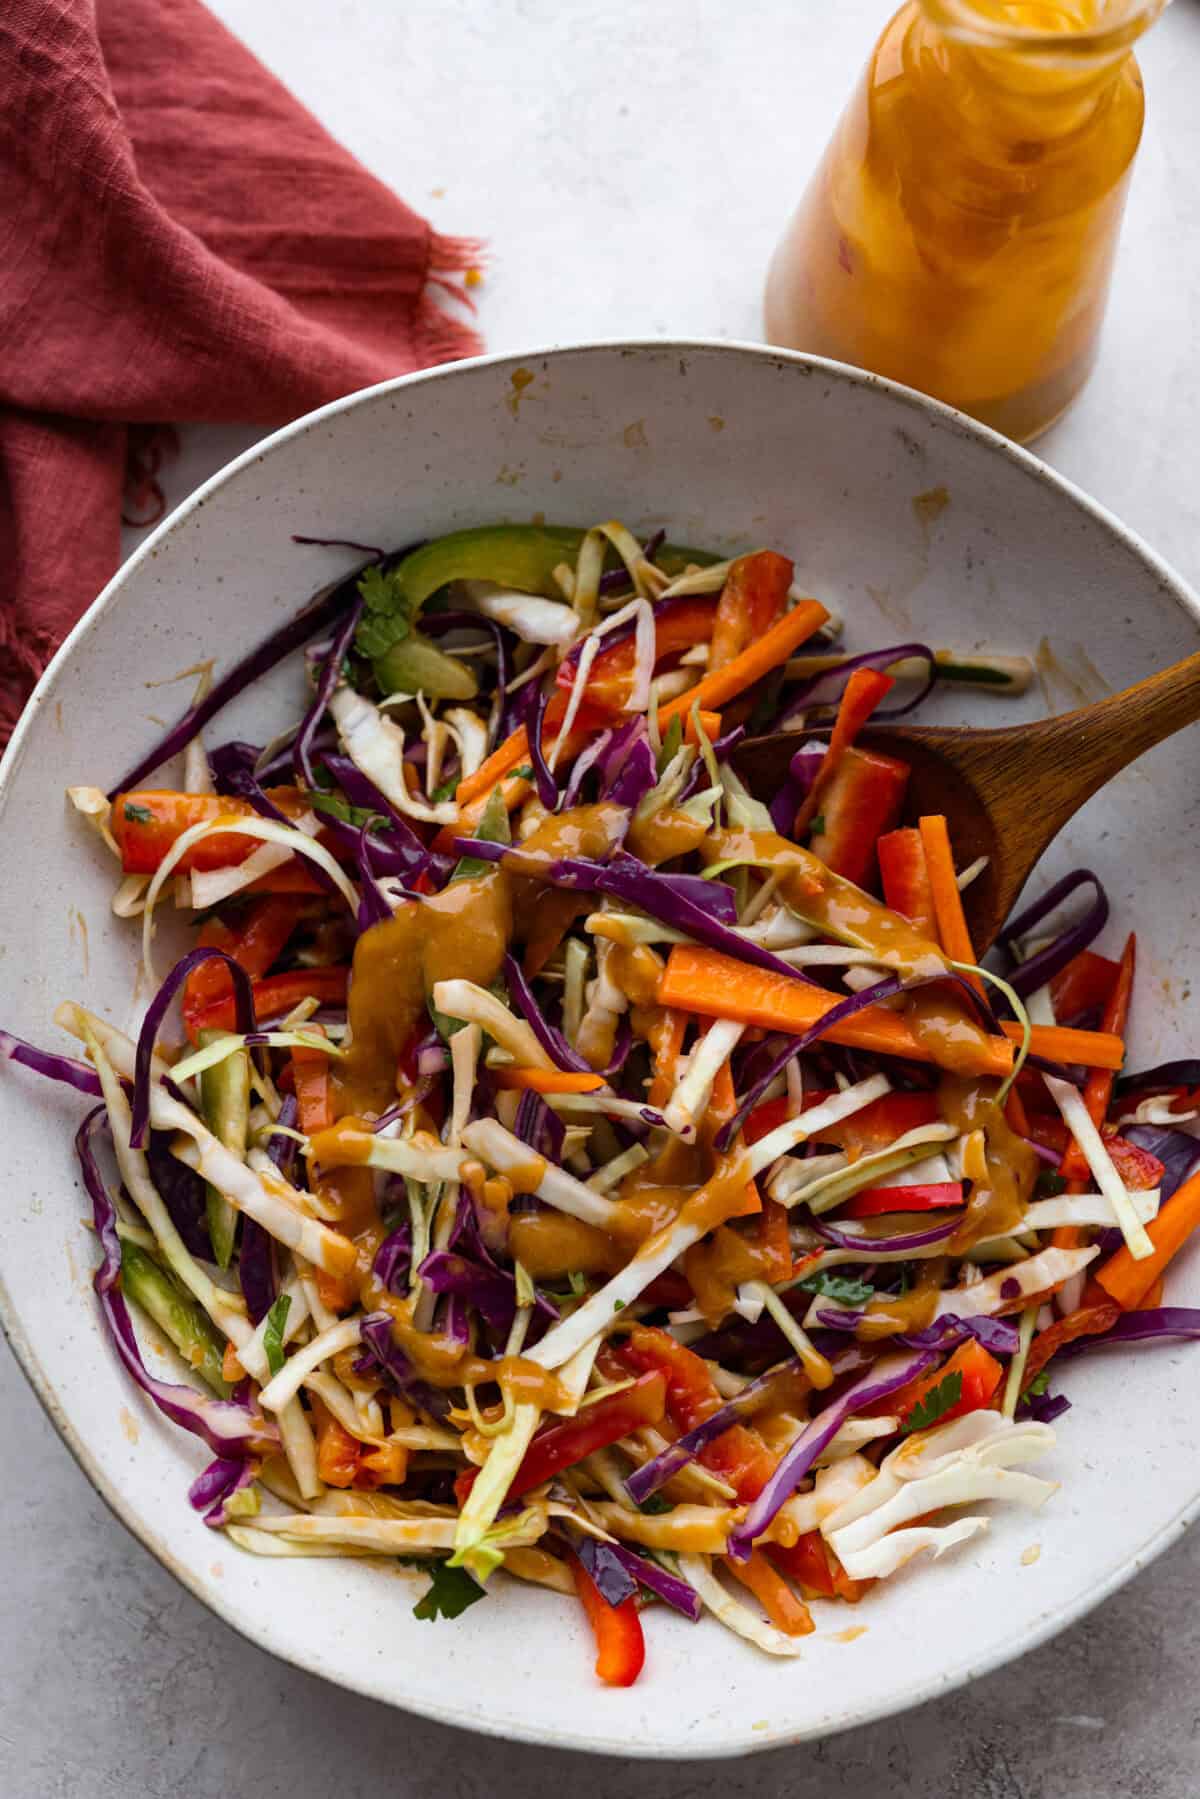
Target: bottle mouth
(1053,29)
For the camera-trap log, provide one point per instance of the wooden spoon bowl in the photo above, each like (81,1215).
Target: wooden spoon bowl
(1007,794)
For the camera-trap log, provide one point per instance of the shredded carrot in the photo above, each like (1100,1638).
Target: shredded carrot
(774,1242)
(337,1451)
(1097,1092)
(711,723)
(1056,1043)
(953,934)
(860,696)
(703,980)
(786,1612)
(546,1080)
(721,1106)
(312,1087)
(717,986)
(755,661)
(1127,1281)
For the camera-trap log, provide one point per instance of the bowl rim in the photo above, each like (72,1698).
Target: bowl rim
(742,1740)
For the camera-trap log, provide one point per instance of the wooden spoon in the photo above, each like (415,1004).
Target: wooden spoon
(1007,794)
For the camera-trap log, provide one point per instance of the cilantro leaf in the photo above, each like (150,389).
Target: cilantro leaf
(446,791)
(1037,1385)
(1049,1185)
(138,815)
(273,1335)
(817,825)
(337,807)
(388,613)
(937,1402)
(450,1592)
(524,773)
(655,1505)
(841,1287)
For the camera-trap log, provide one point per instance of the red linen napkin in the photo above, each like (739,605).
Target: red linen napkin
(179,240)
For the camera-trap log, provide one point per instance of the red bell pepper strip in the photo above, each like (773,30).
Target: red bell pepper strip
(905,876)
(879,1124)
(876,1201)
(147,822)
(1084,985)
(1097,1092)
(753,598)
(278,994)
(594,1427)
(255,947)
(862,801)
(1086,1321)
(816,1570)
(679,625)
(806,1562)
(620,1644)
(860,696)
(739,1454)
(981,1376)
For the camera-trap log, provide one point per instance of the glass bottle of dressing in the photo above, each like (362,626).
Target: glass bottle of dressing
(959,232)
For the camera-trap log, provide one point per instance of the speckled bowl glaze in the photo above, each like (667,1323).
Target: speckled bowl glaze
(913,522)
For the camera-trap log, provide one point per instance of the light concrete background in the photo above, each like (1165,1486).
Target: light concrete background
(631,167)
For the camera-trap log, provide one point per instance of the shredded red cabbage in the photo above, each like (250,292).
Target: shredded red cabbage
(327,680)
(183,1192)
(80,1075)
(1178,1153)
(386,1361)
(211,1492)
(656,1473)
(229,1427)
(1028,976)
(811,693)
(320,612)
(1156,1325)
(876,1384)
(544,781)
(156,1011)
(932,1233)
(548,1035)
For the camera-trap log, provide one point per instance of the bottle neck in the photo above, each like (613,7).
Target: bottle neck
(1025,70)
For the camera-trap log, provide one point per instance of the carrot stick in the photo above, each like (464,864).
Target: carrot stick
(1097,1092)
(1127,1281)
(953,934)
(721,1106)
(1054,1042)
(755,661)
(546,1080)
(774,1242)
(717,986)
(711,724)
(786,1612)
(860,696)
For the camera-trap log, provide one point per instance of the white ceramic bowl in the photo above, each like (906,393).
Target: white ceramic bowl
(911,520)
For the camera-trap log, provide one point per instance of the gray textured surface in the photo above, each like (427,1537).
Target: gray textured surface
(592,140)
(116,1682)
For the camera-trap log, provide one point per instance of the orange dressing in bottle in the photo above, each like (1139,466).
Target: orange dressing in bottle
(959,233)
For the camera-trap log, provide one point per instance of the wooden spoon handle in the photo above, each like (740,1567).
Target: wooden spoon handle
(1082,750)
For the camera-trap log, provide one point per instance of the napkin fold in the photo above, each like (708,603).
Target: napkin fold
(179,240)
